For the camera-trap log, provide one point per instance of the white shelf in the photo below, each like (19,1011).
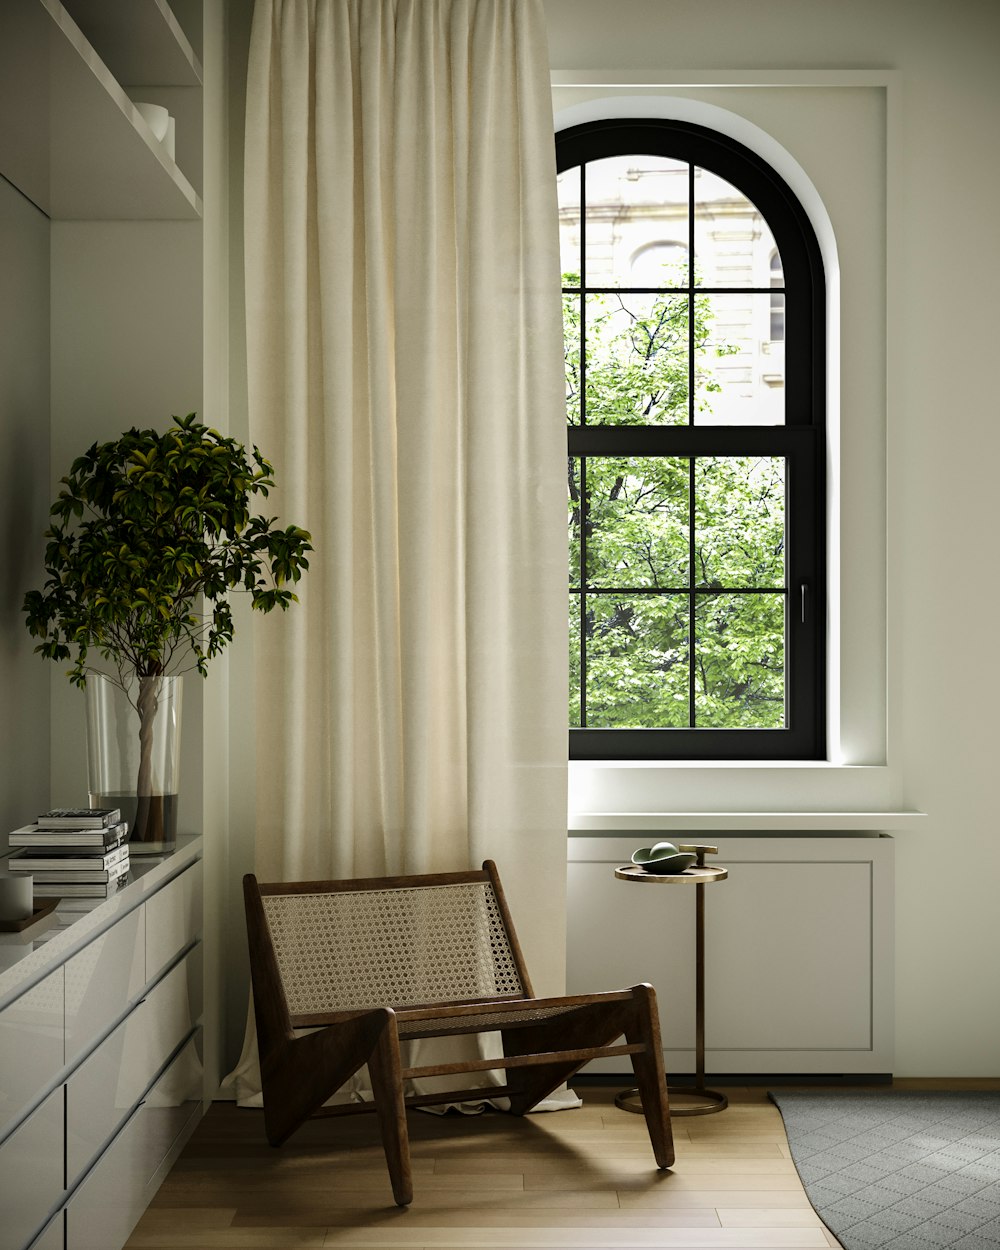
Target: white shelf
(740,822)
(140,41)
(70,138)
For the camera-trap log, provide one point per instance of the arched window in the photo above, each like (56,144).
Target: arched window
(696,476)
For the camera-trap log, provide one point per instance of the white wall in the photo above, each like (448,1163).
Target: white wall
(125,350)
(24,501)
(930,473)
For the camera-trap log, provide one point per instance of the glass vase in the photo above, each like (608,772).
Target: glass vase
(133,750)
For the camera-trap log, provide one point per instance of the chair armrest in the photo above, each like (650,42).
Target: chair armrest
(319,1019)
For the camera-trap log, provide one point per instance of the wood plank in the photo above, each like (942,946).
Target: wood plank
(447,1217)
(591,1239)
(584,1179)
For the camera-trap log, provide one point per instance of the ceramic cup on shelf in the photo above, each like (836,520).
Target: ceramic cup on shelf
(16,895)
(156,117)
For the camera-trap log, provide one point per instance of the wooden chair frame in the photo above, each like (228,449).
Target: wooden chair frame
(545,1040)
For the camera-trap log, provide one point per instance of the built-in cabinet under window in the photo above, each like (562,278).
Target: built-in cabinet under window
(798,950)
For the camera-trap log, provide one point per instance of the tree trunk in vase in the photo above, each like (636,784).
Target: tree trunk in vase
(148,813)
(134,745)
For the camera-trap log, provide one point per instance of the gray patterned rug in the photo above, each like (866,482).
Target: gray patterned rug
(896,1170)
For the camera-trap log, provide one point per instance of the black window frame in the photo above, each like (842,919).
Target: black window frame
(801,440)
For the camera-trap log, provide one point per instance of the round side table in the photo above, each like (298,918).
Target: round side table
(699,1100)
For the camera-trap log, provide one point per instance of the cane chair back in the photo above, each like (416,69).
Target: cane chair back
(398,945)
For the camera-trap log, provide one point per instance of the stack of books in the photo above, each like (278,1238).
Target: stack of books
(73,852)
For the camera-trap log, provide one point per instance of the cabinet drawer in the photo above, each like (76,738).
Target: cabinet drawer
(31,1172)
(109,1202)
(173,919)
(171,1106)
(31,1046)
(105,1088)
(102,979)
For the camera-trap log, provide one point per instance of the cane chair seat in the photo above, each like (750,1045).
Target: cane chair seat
(414,1024)
(367,964)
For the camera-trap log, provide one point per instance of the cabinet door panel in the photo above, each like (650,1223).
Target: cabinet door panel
(109,1202)
(174,1008)
(103,1091)
(31,1046)
(169,1106)
(620,934)
(101,981)
(105,1088)
(173,919)
(31,1172)
(52,1237)
(810,991)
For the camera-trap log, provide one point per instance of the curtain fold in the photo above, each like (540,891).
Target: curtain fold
(404,348)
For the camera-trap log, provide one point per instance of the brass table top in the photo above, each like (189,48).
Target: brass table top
(703,874)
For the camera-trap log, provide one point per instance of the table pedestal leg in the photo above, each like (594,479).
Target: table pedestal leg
(685,1100)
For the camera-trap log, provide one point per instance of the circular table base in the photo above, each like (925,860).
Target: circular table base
(684,1100)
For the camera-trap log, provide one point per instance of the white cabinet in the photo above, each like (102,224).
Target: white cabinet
(798,950)
(107,1205)
(100,1037)
(114,1079)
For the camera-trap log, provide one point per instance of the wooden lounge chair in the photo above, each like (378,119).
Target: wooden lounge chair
(372,962)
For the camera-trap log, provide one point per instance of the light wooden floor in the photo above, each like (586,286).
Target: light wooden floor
(583,1178)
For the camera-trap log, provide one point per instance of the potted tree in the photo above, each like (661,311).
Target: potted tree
(151,533)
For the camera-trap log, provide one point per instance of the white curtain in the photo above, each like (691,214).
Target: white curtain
(405,347)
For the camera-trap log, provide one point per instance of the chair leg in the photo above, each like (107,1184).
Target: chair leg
(385,1070)
(299,1074)
(650,1078)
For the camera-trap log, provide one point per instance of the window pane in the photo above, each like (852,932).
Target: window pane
(732,241)
(568,191)
(574,662)
(637,521)
(637,662)
(634,202)
(740,521)
(738,380)
(571,356)
(575,501)
(777,300)
(740,661)
(659,264)
(637,359)
(775,347)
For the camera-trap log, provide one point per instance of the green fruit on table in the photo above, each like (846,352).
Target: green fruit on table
(663,857)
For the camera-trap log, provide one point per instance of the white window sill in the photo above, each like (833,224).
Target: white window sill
(736,822)
(807,796)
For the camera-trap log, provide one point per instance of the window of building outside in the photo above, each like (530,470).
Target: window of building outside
(693,299)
